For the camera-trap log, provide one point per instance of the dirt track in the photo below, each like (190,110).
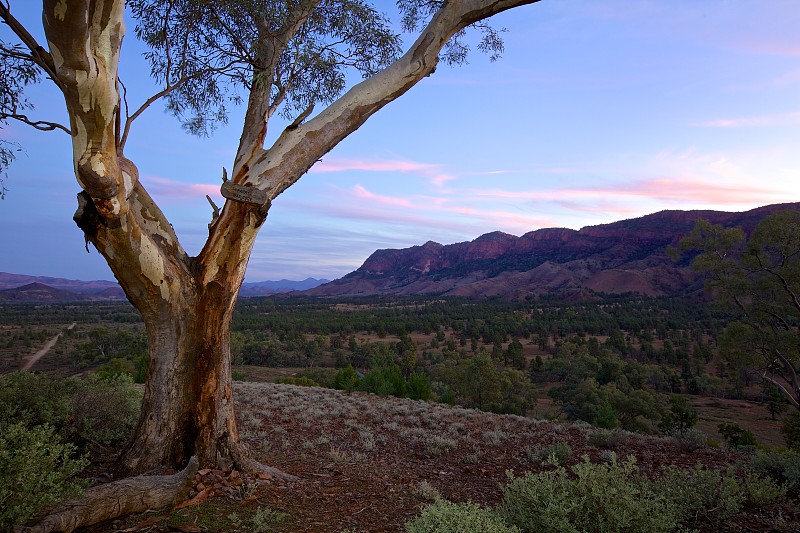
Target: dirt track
(46,348)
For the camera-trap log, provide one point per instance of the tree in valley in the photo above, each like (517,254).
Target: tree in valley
(275,57)
(757,279)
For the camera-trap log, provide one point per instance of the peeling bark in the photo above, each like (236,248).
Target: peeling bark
(187,303)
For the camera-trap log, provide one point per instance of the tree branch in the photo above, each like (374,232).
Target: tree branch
(42,125)
(39,55)
(350,111)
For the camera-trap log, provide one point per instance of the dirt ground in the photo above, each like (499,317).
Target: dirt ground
(369,464)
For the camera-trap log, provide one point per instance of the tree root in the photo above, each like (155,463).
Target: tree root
(251,465)
(126,496)
(243,459)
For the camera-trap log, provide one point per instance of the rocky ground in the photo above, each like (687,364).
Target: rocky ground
(368,463)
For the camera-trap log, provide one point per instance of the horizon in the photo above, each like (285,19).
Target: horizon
(328,280)
(594,114)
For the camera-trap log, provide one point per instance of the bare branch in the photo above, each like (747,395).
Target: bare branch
(789,396)
(42,125)
(161,94)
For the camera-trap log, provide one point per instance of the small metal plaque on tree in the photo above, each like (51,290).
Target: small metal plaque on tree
(243,193)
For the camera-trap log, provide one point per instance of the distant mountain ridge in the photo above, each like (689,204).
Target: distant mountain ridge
(624,256)
(23,288)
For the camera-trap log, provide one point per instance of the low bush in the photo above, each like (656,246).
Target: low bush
(761,491)
(443,516)
(700,495)
(790,429)
(33,399)
(736,436)
(601,497)
(36,469)
(84,412)
(690,440)
(322,375)
(606,439)
(781,466)
(301,381)
(103,411)
(611,497)
(555,453)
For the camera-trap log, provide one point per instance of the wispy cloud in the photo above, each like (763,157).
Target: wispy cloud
(363,194)
(760,121)
(672,189)
(433,172)
(172,189)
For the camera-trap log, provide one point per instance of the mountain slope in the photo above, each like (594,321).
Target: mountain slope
(24,288)
(625,256)
(40,293)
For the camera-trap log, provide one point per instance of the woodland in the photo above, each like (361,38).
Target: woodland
(623,368)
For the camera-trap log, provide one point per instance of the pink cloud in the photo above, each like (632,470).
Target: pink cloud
(431,204)
(428,170)
(362,193)
(680,189)
(166,187)
(665,189)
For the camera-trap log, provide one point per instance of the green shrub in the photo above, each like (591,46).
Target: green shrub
(36,469)
(322,375)
(606,439)
(385,380)
(680,418)
(783,467)
(601,497)
(301,381)
(103,411)
(346,379)
(418,387)
(265,519)
(116,367)
(82,411)
(443,516)
(790,429)
(701,495)
(690,439)
(761,491)
(555,453)
(239,375)
(33,399)
(736,436)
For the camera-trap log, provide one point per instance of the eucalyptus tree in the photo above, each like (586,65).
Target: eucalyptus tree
(285,57)
(757,279)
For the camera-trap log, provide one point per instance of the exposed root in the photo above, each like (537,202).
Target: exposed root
(254,466)
(246,463)
(126,496)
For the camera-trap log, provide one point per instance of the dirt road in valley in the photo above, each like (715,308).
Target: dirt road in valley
(45,349)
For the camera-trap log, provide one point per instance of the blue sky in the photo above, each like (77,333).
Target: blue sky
(598,111)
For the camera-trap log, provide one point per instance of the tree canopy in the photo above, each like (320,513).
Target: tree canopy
(757,278)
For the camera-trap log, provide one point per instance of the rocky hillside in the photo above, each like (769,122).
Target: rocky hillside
(625,256)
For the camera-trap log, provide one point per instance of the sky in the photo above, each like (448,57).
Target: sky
(598,111)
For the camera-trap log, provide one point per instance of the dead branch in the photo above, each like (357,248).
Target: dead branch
(126,496)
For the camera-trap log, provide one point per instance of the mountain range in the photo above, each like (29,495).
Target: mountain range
(23,288)
(625,256)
